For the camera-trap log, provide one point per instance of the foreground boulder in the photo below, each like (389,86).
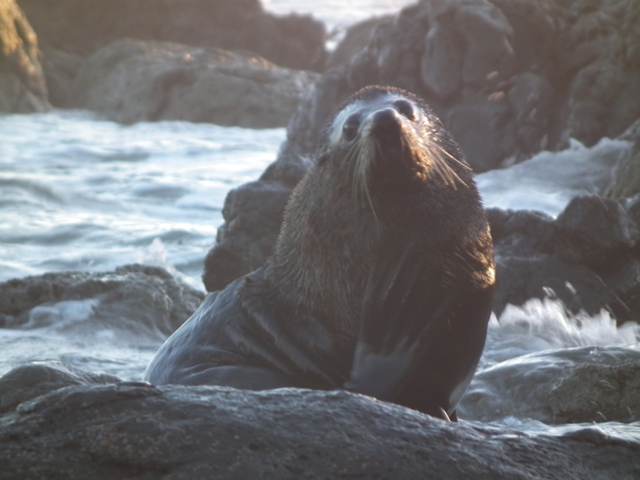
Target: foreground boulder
(133,80)
(133,298)
(133,430)
(22,84)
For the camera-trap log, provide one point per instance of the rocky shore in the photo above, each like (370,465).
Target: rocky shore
(509,78)
(173,48)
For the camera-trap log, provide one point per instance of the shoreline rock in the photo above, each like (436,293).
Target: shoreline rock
(133,298)
(82,27)
(574,385)
(132,80)
(507,78)
(129,430)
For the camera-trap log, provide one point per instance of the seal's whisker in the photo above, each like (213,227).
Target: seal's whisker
(454,159)
(447,174)
(366,155)
(351,158)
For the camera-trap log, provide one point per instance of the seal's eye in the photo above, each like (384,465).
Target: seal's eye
(406,109)
(322,158)
(350,127)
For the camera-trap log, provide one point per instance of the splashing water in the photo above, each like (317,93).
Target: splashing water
(546,324)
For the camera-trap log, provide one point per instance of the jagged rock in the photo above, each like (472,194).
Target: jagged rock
(505,77)
(626,182)
(132,298)
(133,430)
(22,84)
(356,38)
(587,257)
(82,27)
(595,231)
(253,214)
(133,80)
(584,384)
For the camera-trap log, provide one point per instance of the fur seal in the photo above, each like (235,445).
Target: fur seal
(381,281)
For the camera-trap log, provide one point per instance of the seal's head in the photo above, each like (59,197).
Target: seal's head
(385,167)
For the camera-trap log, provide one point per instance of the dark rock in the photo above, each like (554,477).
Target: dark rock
(133,298)
(499,69)
(595,231)
(587,258)
(82,27)
(26,382)
(441,61)
(626,181)
(132,80)
(132,430)
(60,70)
(585,384)
(22,84)
(356,38)
(492,58)
(519,278)
(253,213)
(520,233)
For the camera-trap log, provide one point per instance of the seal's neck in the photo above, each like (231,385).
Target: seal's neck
(320,266)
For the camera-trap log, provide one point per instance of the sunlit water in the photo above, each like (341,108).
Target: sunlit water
(336,14)
(79,193)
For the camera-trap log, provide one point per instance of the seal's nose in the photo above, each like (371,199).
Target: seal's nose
(385,118)
(386,125)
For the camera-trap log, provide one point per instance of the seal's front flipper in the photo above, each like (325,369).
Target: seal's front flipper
(408,301)
(277,338)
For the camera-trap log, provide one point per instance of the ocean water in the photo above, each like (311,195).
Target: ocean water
(337,15)
(81,193)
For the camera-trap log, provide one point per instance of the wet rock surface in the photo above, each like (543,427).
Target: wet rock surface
(626,181)
(82,27)
(133,80)
(587,257)
(132,298)
(579,385)
(22,84)
(133,430)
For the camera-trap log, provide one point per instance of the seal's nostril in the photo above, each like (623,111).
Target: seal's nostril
(406,109)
